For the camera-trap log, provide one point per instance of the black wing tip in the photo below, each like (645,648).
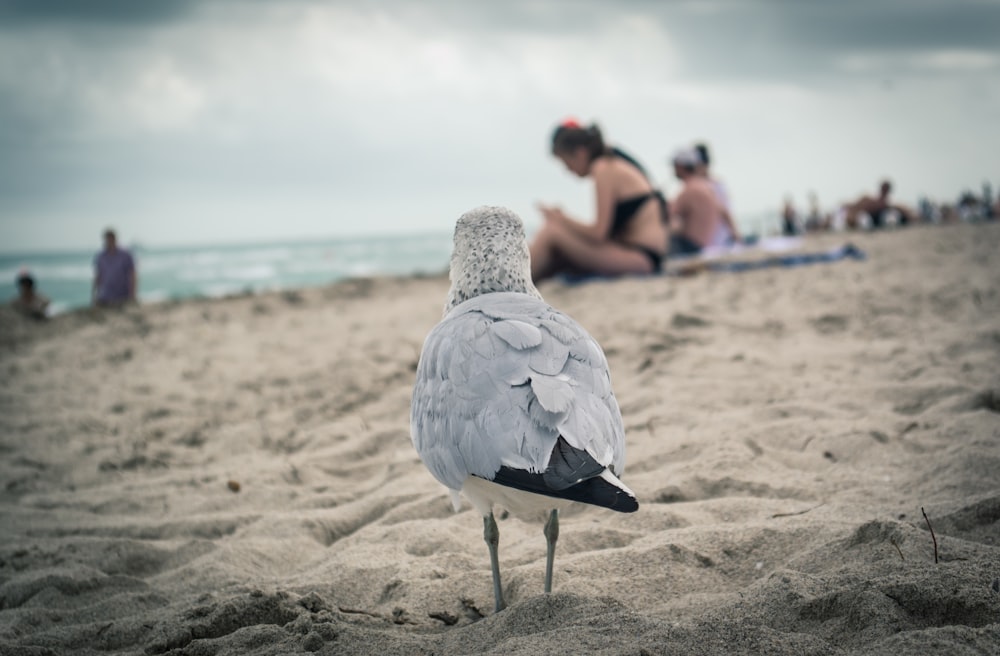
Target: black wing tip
(627,503)
(593,491)
(572,474)
(610,496)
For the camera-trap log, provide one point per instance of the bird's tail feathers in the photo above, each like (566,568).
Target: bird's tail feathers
(605,489)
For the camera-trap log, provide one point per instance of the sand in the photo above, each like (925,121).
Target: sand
(236,476)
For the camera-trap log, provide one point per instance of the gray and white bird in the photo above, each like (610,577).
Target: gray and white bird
(513,403)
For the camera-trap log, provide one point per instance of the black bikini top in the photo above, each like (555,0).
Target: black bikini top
(626,209)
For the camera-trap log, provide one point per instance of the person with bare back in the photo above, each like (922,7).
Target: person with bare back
(877,207)
(698,217)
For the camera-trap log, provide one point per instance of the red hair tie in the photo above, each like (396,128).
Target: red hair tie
(570,123)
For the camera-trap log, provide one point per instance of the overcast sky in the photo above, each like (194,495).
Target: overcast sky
(189,121)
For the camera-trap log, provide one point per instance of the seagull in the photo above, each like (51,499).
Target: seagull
(512,404)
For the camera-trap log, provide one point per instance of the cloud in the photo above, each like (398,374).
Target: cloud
(380,115)
(935,61)
(21,13)
(334,68)
(802,39)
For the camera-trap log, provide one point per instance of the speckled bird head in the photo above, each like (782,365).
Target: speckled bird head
(490,255)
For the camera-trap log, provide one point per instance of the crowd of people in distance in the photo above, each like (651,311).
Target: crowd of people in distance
(115,281)
(879,211)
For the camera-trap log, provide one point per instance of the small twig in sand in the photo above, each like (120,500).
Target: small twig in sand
(397,618)
(358,611)
(932,534)
(445,617)
(792,514)
(892,541)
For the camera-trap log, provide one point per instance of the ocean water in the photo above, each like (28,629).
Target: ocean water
(219,270)
(172,273)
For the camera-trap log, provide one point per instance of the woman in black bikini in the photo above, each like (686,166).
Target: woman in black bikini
(630,233)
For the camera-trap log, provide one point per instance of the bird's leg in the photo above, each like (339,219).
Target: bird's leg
(492,536)
(551,535)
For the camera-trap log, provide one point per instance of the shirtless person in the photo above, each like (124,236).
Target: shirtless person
(876,207)
(700,220)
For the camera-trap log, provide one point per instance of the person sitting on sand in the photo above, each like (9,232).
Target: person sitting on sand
(114,274)
(629,233)
(704,169)
(28,301)
(789,218)
(700,220)
(877,207)
(815,220)
(729,234)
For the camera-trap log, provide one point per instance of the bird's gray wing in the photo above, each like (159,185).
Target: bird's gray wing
(595,422)
(499,380)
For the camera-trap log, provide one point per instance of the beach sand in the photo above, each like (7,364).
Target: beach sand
(236,476)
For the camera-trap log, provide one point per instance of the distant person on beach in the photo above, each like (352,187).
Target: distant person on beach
(28,301)
(988,207)
(815,220)
(728,235)
(114,274)
(703,169)
(789,219)
(877,207)
(699,219)
(629,232)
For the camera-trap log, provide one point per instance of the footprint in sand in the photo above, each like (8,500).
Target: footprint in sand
(915,400)
(688,321)
(985,400)
(830,324)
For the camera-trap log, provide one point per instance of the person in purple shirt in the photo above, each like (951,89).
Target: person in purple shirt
(114,274)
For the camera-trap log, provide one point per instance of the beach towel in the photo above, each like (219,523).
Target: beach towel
(847,251)
(693,264)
